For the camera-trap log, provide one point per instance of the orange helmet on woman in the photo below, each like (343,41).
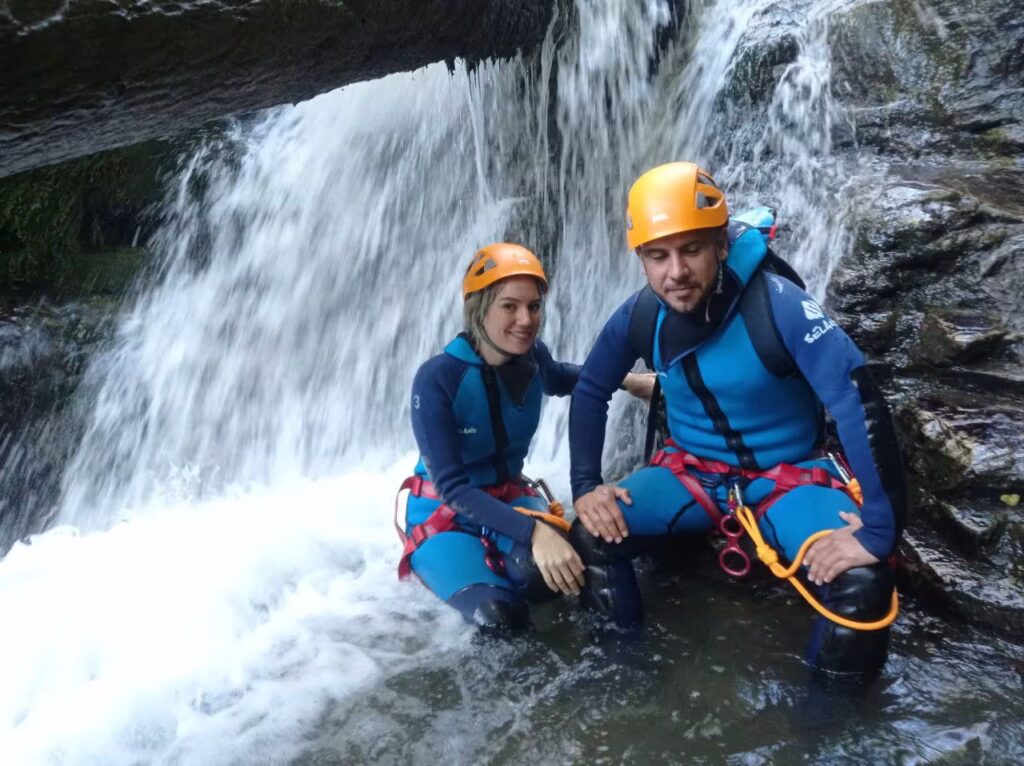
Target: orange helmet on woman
(499,261)
(670,199)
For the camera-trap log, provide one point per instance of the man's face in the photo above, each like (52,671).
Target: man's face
(682,268)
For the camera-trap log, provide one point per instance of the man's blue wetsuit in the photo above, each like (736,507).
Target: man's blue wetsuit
(724,403)
(473,424)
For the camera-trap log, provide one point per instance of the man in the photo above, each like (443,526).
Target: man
(746,361)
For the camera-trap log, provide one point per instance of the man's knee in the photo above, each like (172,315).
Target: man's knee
(863,594)
(491,608)
(594,550)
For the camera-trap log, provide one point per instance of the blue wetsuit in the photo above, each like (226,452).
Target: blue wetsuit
(473,424)
(724,403)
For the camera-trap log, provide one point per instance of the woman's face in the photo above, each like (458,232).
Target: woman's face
(513,320)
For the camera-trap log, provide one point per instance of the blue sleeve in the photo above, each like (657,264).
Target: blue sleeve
(606,366)
(559,378)
(835,368)
(434,425)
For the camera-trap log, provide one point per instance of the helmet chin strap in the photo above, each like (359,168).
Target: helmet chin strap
(494,346)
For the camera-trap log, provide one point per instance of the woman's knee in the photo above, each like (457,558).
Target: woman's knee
(452,561)
(524,574)
(491,608)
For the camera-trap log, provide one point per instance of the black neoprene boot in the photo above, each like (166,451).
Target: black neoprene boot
(611,588)
(863,594)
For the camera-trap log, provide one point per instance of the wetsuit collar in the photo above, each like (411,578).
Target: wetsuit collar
(517,373)
(462,349)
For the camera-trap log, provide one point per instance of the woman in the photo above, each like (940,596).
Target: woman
(478,533)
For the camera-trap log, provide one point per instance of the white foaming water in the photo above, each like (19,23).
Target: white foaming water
(210,629)
(226,572)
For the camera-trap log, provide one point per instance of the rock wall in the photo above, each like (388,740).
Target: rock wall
(83,76)
(934,286)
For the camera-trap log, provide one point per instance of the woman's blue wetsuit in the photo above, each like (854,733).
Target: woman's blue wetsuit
(473,424)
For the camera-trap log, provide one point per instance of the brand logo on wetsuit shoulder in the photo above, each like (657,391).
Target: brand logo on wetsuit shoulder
(812,310)
(467,430)
(819,330)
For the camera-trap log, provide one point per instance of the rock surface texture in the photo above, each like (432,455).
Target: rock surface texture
(82,76)
(934,286)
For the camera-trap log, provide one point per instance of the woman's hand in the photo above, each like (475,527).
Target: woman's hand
(639,384)
(557,560)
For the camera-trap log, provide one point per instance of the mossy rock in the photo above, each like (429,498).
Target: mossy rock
(80,223)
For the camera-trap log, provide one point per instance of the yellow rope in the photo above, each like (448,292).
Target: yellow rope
(555,515)
(770,558)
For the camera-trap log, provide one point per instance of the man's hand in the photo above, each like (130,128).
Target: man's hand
(557,560)
(600,513)
(833,554)
(639,384)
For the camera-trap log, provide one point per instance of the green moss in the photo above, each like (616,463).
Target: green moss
(105,273)
(43,237)
(995,144)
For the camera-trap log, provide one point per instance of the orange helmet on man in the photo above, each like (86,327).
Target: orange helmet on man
(500,261)
(672,198)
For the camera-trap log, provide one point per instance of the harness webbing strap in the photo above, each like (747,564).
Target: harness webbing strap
(785,476)
(676,463)
(443,517)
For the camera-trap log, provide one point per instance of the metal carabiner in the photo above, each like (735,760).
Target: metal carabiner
(840,468)
(541,488)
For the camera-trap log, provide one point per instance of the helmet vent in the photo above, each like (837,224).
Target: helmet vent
(701,178)
(487,266)
(702,201)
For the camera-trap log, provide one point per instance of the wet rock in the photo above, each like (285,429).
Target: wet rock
(955,337)
(979,591)
(937,455)
(894,246)
(924,247)
(958,438)
(933,288)
(86,75)
(44,348)
(768,47)
(931,78)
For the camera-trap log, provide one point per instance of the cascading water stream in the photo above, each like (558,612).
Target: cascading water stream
(227,588)
(313,259)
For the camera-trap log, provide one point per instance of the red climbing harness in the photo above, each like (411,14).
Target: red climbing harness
(443,517)
(786,477)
